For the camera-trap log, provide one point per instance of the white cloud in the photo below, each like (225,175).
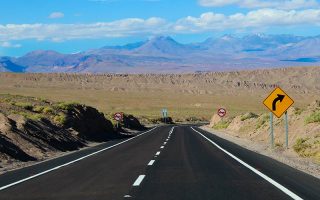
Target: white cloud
(60,32)
(9,45)
(254,19)
(56,15)
(257,19)
(279,4)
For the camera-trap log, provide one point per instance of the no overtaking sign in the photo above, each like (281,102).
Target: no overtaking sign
(118,116)
(222,112)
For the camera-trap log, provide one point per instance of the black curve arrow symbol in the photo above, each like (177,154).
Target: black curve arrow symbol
(274,103)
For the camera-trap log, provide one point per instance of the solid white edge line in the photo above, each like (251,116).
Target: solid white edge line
(265,177)
(71,162)
(158,153)
(139,180)
(151,162)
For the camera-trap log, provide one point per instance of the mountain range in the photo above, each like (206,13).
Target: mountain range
(165,55)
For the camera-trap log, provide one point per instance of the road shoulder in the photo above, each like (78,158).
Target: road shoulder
(287,158)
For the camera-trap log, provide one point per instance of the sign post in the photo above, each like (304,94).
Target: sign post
(118,117)
(271,130)
(164,114)
(286,128)
(278,102)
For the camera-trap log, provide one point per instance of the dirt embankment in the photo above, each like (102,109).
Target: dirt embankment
(34,129)
(252,130)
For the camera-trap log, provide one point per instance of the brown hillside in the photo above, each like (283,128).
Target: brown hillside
(185,95)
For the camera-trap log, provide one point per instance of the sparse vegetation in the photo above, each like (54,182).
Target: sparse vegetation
(36,117)
(301,145)
(60,119)
(308,147)
(298,111)
(249,115)
(264,118)
(313,118)
(24,105)
(7,99)
(32,116)
(42,100)
(278,144)
(66,105)
(48,110)
(222,124)
(38,109)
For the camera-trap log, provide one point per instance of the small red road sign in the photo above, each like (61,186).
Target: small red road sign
(222,112)
(118,116)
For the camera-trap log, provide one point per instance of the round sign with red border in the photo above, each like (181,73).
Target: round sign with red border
(118,116)
(222,112)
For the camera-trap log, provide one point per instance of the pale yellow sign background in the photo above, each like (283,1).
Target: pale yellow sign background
(274,101)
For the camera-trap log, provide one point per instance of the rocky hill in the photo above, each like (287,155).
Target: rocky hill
(34,129)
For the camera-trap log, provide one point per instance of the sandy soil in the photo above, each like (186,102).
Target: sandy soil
(288,157)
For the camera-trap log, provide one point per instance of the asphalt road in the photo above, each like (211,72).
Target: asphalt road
(164,163)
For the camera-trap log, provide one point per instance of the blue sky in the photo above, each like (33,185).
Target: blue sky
(70,26)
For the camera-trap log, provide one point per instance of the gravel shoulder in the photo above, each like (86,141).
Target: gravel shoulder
(288,157)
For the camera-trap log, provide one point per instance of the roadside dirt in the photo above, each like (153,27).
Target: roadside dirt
(288,157)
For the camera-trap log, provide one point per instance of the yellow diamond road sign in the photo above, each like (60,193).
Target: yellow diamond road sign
(278,102)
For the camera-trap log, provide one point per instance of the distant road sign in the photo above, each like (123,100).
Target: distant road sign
(278,102)
(222,112)
(118,116)
(164,112)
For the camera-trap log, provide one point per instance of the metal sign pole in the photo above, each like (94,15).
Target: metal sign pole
(164,115)
(271,130)
(286,127)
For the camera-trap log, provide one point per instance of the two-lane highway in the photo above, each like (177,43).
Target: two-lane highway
(168,162)
(192,167)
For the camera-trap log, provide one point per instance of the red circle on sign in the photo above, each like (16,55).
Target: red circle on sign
(118,116)
(222,112)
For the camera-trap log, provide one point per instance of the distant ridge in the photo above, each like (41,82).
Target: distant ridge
(163,54)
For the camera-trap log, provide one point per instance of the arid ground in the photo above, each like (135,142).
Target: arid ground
(185,95)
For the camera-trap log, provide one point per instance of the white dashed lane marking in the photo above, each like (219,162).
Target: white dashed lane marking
(151,162)
(139,180)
